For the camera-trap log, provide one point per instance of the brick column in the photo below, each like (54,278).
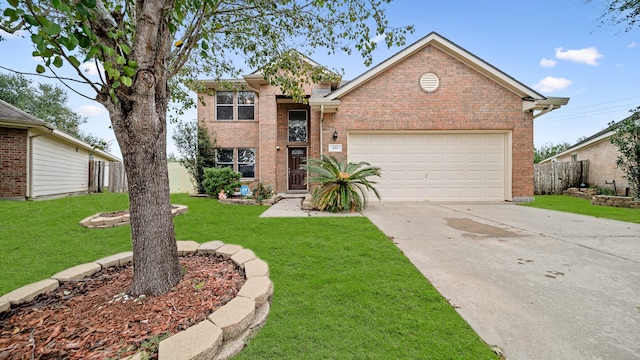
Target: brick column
(13,163)
(267,109)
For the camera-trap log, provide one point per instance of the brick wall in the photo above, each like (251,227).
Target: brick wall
(602,165)
(13,163)
(465,100)
(232,134)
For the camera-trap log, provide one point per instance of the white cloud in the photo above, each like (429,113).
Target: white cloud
(7,35)
(633,45)
(587,56)
(548,63)
(551,84)
(90,110)
(378,38)
(90,68)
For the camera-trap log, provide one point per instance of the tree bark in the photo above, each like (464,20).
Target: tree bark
(139,119)
(143,145)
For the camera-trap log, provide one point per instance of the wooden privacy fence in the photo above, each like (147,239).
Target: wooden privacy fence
(551,178)
(117,178)
(96,176)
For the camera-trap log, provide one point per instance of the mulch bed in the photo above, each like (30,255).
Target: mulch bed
(95,319)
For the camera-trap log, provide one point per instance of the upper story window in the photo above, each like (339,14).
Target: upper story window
(235,105)
(297,125)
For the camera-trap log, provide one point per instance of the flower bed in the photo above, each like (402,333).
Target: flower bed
(118,218)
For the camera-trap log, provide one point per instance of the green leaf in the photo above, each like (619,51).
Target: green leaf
(120,60)
(83,40)
(115,85)
(13,3)
(125,49)
(113,73)
(126,81)
(40,69)
(82,10)
(112,93)
(128,71)
(132,64)
(74,61)
(53,29)
(72,42)
(57,62)
(31,20)
(89,3)
(108,51)
(11,14)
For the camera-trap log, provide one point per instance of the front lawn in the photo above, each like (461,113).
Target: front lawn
(342,289)
(583,206)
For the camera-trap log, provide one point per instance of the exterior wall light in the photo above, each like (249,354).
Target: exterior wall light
(335,135)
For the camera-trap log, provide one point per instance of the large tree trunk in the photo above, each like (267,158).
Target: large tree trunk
(139,119)
(142,138)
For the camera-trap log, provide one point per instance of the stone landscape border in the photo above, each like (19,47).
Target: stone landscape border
(103,221)
(221,336)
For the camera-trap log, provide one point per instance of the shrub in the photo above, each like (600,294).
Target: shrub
(341,186)
(216,179)
(262,192)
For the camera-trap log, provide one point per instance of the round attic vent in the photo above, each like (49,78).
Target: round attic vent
(429,82)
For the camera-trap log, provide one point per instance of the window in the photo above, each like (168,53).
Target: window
(247,162)
(244,163)
(245,105)
(231,105)
(224,105)
(225,158)
(574,157)
(297,126)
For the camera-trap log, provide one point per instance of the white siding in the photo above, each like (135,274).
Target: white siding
(435,166)
(58,168)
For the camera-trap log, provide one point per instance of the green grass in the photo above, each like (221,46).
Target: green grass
(342,289)
(582,206)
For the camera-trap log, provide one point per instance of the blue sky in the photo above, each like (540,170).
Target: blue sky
(558,48)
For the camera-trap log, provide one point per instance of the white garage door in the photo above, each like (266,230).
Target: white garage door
(435,166)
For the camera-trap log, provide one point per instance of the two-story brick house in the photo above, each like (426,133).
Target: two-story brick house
(443,125)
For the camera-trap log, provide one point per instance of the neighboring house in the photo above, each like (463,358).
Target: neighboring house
(441,123)
(602,155)
(37,161)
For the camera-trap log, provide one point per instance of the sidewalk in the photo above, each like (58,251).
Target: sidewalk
(291,206)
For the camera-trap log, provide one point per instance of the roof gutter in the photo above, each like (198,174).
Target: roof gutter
(543,105)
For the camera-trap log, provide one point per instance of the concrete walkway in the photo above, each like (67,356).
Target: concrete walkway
(538,284)
(292,207)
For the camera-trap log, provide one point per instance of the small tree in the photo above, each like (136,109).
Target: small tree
(626,138)
(341,186)
(196,149)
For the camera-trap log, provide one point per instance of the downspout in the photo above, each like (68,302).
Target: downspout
(321,127)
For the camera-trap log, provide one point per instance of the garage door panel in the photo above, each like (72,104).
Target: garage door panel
(437,167)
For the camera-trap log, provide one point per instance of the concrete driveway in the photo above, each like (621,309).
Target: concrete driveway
(538,284)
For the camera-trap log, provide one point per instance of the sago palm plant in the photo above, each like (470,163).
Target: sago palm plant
(341,186)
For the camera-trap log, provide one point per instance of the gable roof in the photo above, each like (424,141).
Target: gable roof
(597,137)
(532,99)
(12,117)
